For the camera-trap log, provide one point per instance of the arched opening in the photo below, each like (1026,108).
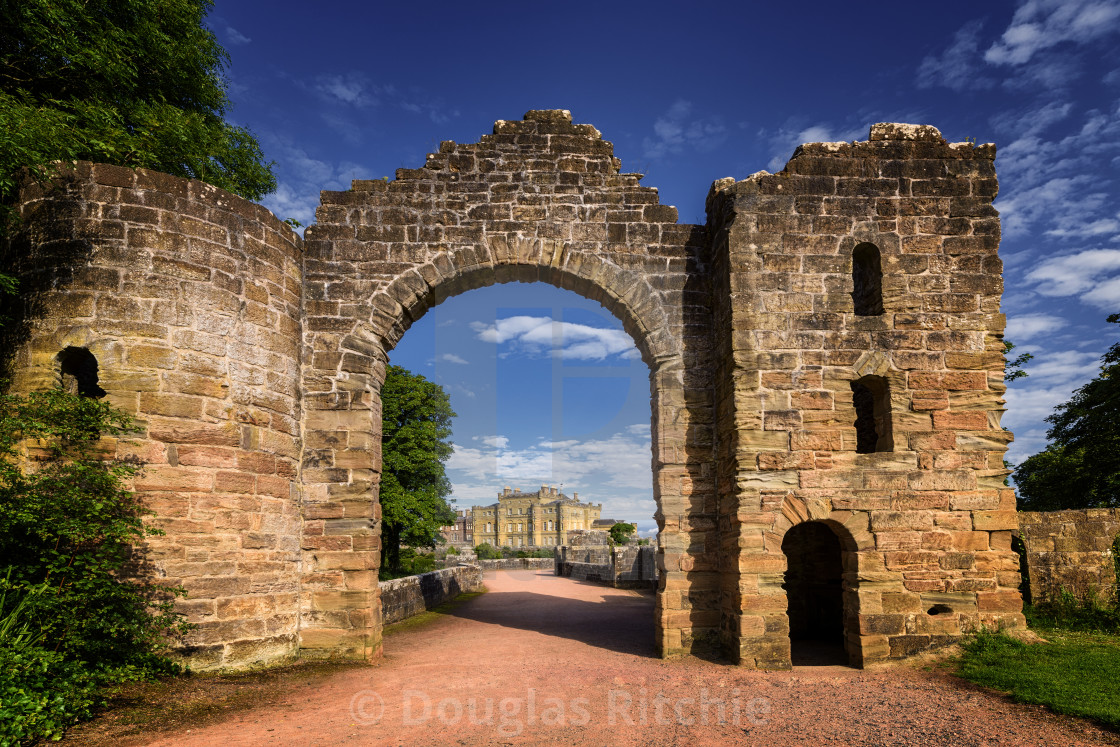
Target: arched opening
(79,372)
(871,396)
(867,280)
(545,384)
(814,585)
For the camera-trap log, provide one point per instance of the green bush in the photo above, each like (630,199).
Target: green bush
(73,619)
(486,551)
(411,563)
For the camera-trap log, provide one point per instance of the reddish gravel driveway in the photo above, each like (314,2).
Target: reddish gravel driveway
(544,660)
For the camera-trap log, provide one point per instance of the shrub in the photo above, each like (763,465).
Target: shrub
(486,551)
(411,563)
(74,618)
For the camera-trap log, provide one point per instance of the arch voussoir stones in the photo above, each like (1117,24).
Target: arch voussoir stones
(261,398)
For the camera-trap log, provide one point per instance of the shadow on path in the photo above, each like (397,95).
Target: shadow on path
(599,616)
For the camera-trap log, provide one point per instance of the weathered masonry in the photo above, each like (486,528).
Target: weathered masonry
(825,362)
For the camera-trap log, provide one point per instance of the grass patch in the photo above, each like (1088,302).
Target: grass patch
(1075,673)
(431,615)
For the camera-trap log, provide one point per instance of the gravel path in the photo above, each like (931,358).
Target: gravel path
(545,660)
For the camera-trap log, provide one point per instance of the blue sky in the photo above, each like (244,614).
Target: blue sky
(689,95)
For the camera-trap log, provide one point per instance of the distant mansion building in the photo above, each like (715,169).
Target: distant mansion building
(540,519)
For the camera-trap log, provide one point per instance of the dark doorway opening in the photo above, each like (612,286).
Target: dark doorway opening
(815,593)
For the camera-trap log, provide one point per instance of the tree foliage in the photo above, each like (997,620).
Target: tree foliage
(621,532)
(416,427)
(127,82)
(1080,467)
(73,616)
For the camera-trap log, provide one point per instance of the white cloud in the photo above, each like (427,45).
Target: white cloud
(1028,55)
(452,358)
(538,335)
(956,67)
(790,136)
(1091,274)
(615,471)
(1041,24)
(1027,326)
(677,129)
(349,88)
(1053,377)
(302,178)
(235,37)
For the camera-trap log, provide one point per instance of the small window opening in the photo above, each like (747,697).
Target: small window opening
(939,609)
(79,373)
(871,397)
(867,280)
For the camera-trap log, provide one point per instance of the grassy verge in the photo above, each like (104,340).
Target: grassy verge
(1075,673)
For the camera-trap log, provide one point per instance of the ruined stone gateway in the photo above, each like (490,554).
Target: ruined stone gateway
(825,360)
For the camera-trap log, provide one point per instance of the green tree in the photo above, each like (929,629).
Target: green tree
(126,82)
(415,431)
(1080,467)
(621,532)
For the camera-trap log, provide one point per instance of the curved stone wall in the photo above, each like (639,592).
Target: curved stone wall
(189,298)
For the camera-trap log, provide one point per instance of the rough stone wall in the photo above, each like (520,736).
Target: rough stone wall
(598,572)
(517,564)
(927,516)
(402,598)
(622,567)
(540,199)
(189,298)
(635,566)
(1070,550)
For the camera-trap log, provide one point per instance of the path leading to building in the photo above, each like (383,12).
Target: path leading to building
(541,660)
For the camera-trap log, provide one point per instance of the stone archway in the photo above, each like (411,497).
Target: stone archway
(540,199)
(253,359)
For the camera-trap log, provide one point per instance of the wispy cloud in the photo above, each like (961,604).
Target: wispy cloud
(1041,24)
(1053,377)
(789,136)
(303,177)
(1026,56)
(1024,327)
(1092,274)
(452,358)
(679,129)
(351,88)
(235,37)
(542,335)
(956,67)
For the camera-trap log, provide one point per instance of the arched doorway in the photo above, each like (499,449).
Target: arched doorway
(515,207)
(814,584)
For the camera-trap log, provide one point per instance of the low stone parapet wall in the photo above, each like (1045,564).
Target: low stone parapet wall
(401,598)
(600,572)
(518,564)
(626,567)
(1070,550)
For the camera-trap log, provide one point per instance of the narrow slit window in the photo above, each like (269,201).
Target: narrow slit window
(79,373)
(867,280)
(871,397)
